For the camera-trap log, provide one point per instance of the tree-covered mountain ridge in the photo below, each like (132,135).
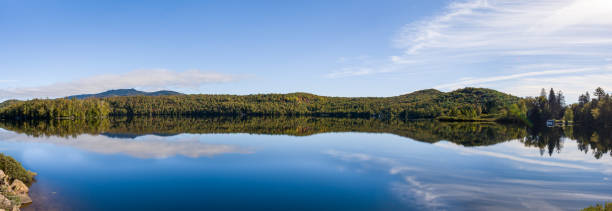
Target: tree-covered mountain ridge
(124,92)
(461,104)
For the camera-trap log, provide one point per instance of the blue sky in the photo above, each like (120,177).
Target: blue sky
(335,48)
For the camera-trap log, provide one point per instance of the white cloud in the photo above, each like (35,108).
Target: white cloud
(144,79)
(572,82)
(571,85)
(475,81)
(492,40)
(502,26)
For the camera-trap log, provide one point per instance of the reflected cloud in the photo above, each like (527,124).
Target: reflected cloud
(436,188)
(357,156)
(149,146)
(572,157)
(472,151)
(396,167)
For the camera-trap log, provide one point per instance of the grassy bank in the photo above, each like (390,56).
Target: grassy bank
(15,170)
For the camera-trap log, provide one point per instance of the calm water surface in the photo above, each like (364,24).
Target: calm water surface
(308,164)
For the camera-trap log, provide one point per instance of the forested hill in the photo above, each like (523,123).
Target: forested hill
(124,92)
(8,103)
(461,104)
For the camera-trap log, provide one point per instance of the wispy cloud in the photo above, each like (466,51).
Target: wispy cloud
(477,81)
(345,72)
(506,26)
(144,79)
(572,85)
(490,40)
(359,66)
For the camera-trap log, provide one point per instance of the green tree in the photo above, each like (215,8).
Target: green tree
(600,93)
(568,116)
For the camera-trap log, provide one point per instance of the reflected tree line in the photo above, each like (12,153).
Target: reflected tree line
(549,140)
(598,141)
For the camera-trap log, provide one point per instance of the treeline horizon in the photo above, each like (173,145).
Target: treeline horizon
(550,105)
(462,104)
(466,104)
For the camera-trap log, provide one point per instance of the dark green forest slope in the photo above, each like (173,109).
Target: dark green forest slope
(8,103)
(461,104)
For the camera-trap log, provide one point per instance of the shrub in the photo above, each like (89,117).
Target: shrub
(14,169)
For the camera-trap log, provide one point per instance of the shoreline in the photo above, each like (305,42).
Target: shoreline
(14,192)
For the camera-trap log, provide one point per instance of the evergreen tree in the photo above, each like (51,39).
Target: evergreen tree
(600,93)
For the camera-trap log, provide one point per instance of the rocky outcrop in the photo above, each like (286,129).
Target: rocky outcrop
(5,202)
(13,193)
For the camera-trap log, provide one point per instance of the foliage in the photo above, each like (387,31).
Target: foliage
(8,103)
(468,104)
(596,112)
(599,207)
(516,113)
(13,168)
(543,108)
(56,109)
(535,111)
(464,104)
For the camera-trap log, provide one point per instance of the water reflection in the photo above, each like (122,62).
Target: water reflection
(342,164)
(143,147)
(550,140)
(598,141)
(440,186)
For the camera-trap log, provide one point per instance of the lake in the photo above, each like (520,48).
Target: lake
(304,163)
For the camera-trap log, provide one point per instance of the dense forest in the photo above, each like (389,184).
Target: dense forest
(55,109)
(467,104)
(589,112)
(462,104)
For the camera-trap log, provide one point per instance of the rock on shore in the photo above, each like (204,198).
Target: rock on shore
(13,193)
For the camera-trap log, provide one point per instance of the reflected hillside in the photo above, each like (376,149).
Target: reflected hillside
(467,134)
(548,140)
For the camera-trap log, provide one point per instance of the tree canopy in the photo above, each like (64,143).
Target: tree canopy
(464,104)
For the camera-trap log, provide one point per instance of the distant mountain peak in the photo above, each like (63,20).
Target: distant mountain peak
(125,92)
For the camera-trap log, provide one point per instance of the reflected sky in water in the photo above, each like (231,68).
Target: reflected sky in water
(327,171)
